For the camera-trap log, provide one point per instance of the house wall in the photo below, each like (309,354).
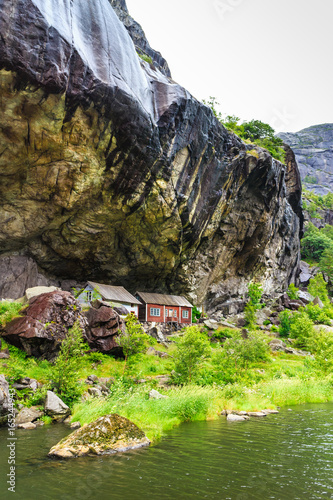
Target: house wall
(82,298)
(171,316)
(186,320)
(156,319)
(168,315)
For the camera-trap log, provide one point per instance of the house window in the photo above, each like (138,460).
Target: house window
(185,314)
(89,295)
(155,311)
(175,313)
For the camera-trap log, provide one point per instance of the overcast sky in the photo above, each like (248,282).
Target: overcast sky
(263,59)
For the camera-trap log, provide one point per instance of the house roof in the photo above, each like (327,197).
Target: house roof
(117,293)
(163,300)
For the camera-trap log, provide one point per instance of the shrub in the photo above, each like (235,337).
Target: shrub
(63,372)
(321,344)
(241,352)
(301,328)
(133,340)
(255,293)
(285,318)
(292,292)
(316,314)
(318,288)
(191,350)
(224,333)
(196,314)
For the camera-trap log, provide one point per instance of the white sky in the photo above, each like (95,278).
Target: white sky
(263,59)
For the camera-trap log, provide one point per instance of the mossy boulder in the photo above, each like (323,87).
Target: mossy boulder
(109,434)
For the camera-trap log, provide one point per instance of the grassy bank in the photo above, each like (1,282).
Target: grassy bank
(240,374)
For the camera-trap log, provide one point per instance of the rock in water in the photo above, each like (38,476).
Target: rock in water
(113,172)
(44,324)
(108,434)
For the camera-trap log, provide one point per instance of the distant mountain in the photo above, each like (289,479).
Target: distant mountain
(313,148)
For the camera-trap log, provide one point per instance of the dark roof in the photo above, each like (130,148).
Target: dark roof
(163,300)
(117,293)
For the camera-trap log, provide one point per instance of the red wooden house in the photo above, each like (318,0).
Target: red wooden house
(164,308)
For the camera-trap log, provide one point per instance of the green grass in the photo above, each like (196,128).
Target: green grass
(9,311)
(154,416)
(283,381)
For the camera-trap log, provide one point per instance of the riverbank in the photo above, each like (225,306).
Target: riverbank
(282,380)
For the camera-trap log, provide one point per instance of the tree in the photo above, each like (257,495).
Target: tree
(191,350)
(318,288)
(133,340)
(256,129)
(326,263)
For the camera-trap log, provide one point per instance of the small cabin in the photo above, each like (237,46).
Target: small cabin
(162,308)
(117,296)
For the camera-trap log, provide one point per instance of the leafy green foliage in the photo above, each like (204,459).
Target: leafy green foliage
(314,243)
(64,376)
(255,292)
(326,262)
(239,353)
(318,288)
(133,340)
(292,292)
(316,314)
(196,314)
(321,344)
(255,131)
(311,179)
(285,318)
(191,349)
(301,328)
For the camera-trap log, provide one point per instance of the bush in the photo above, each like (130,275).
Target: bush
(301,328)
(285,318)
(134,340)
(191,350)
(292,292)
(196,314)
(321,344)
(63,372)
(255,293)
(240,352)
(318,288)
(316,314)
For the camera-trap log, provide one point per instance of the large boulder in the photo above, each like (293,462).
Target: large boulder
(104,324)
(28,415)
(108,434)
(44,324)
(55,407)
(114,172)
(38,290)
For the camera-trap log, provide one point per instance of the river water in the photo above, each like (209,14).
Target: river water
(286,457)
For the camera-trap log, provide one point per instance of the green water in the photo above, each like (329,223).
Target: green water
(287,456)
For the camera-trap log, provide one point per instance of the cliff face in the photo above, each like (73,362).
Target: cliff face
(313,148)
(112,172)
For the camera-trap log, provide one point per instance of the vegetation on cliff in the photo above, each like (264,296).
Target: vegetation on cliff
(252,132)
